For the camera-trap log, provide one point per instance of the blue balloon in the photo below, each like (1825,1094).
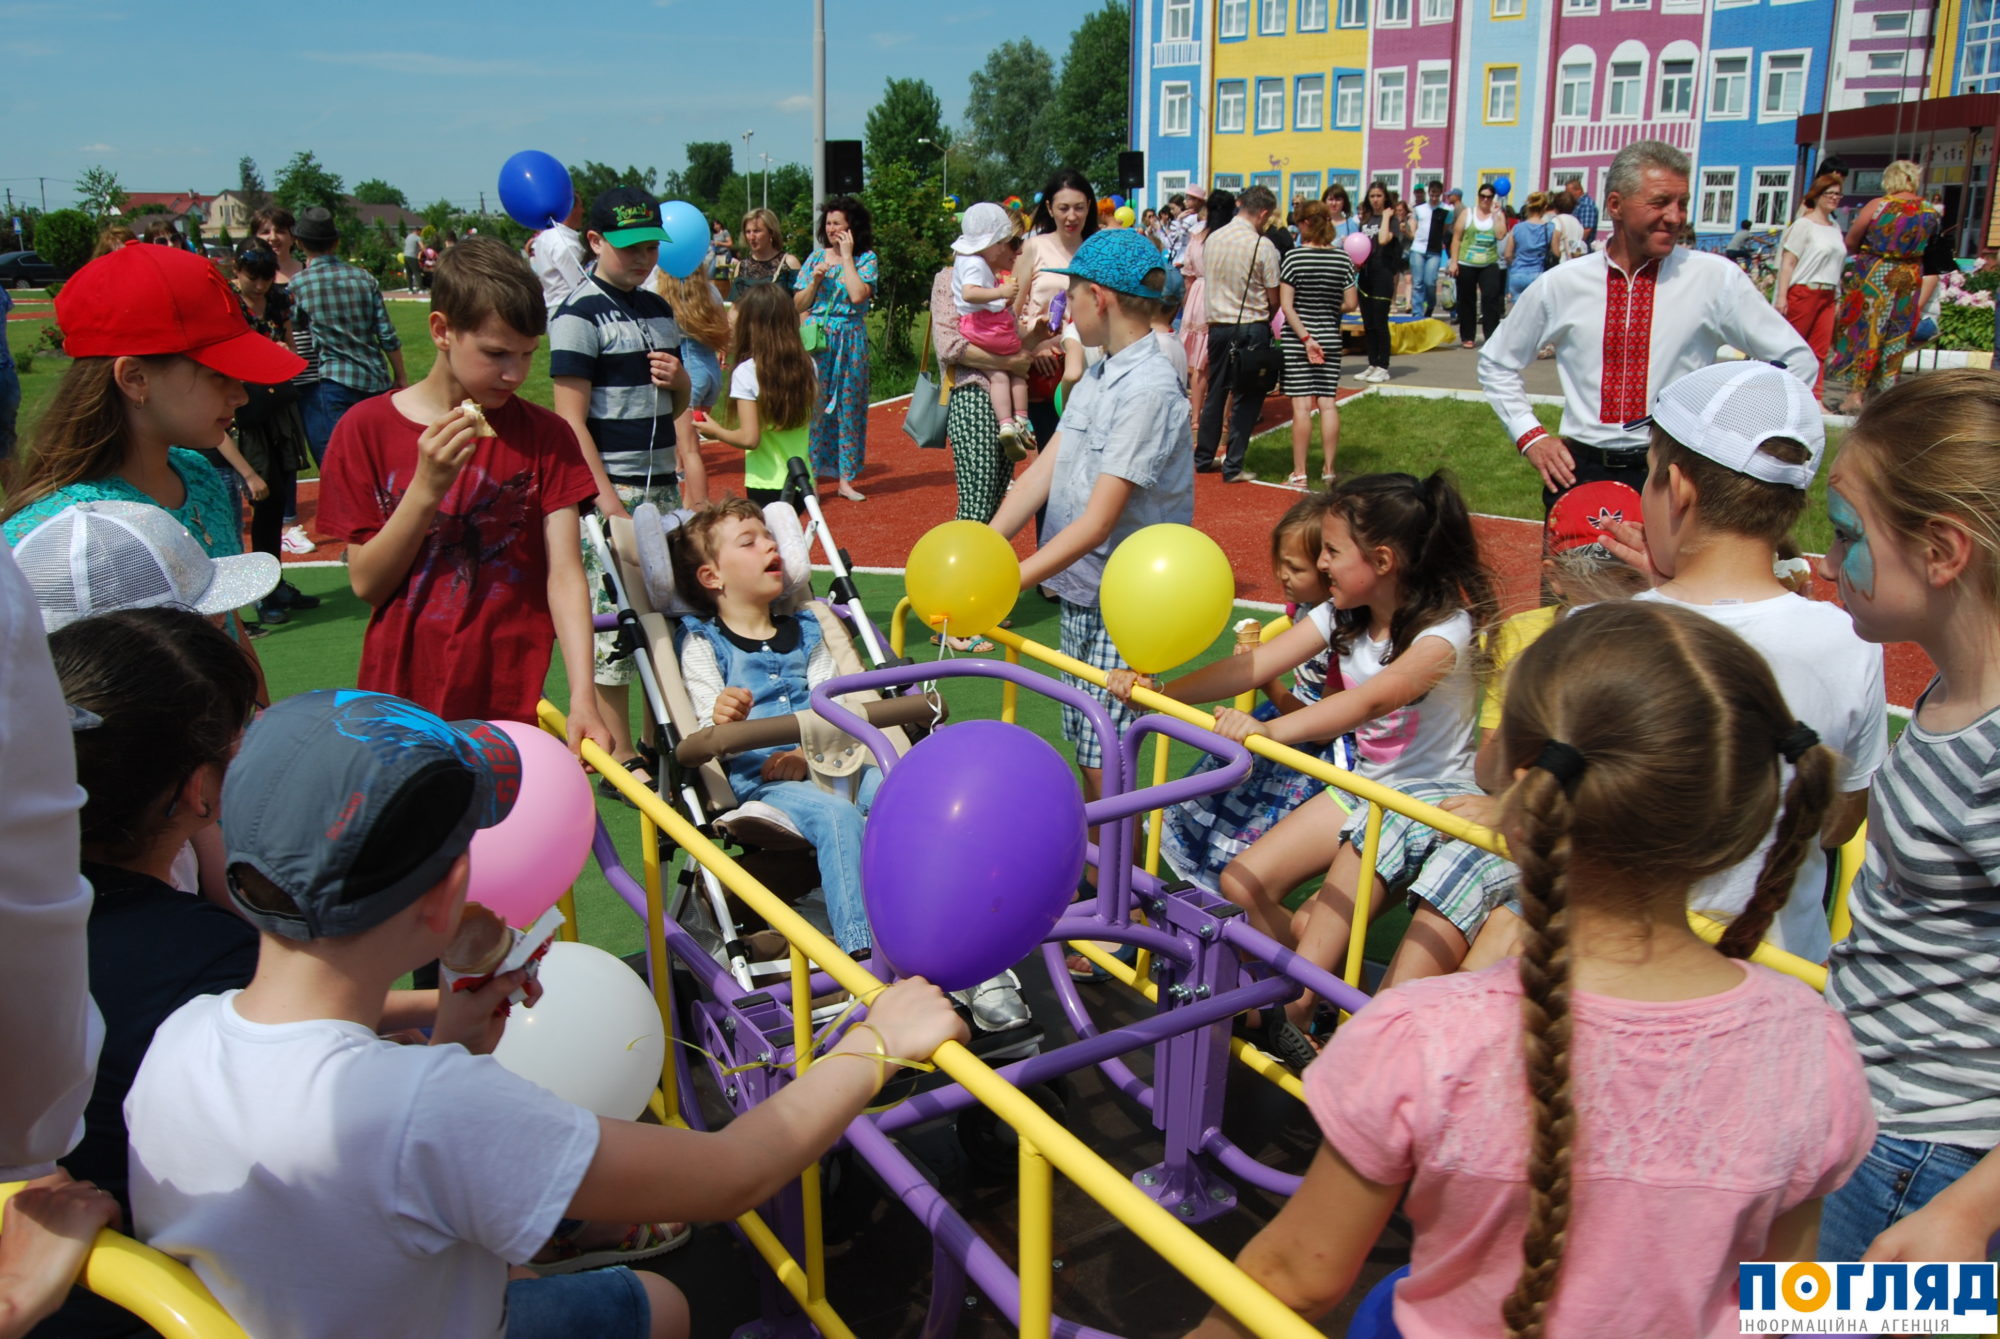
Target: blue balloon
(535,189)
(687,238)
(1038,197)
(1503,185)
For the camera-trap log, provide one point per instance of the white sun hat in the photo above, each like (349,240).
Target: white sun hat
(983,225)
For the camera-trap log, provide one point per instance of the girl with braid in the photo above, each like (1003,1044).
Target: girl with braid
(1589,1139)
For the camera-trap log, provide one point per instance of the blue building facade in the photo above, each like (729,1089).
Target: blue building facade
(1170,59)
(1763,66)
(1504,65)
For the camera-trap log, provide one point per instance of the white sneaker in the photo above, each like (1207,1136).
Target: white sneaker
(297,541)
(996,1003)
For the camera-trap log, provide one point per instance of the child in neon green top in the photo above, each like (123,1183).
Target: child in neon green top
(773,388)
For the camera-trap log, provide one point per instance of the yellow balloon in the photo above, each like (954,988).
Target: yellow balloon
(1166,595)
(963,578)
(1124,215)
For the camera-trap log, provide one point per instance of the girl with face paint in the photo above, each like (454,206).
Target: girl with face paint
(1915,504)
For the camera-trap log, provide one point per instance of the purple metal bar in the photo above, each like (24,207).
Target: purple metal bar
(1256,944)
(604,622)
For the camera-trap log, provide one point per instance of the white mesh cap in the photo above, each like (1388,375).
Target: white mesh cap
(95,557)
(1727,411)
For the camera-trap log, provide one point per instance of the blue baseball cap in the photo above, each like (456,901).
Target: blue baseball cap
(354,804)
(1119,259)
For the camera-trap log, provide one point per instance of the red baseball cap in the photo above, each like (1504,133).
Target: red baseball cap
(1579,517)
(143,300)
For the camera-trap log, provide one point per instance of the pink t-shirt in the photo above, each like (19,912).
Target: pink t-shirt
(1699,1123)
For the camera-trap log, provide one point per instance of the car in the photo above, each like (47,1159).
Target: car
(24,267)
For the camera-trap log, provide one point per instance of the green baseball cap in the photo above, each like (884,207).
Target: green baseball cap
(626,216)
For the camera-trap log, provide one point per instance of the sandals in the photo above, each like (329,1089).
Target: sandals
(643,1242)
(1296,480)
(640,765)
(1287,1041)
(978,646)
(1083,969)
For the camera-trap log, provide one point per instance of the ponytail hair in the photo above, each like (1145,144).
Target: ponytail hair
(1650,738)
(1427,525)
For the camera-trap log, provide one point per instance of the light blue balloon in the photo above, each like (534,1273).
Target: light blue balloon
(687,238)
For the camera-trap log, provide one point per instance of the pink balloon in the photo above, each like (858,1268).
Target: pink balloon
(1357,246)
(523,864)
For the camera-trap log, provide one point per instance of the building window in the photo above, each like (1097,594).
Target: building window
(1509,9)
(1771,198)
(1718,197)
(1309,110)
(1391,91)
(1179,24)
(1305,185)
(1176,109)
(1349,93)
(1172,183)
(1729,87)
(1392,14)
(1353,14)
(1434,96)
(1437,11)
(1229,100)
(1579,6)
(1622,89)
(1312,16)
(1270,105)
(1503,95)
(1631,4)
(1575,91)
(1347,181)
(1784,84)
(1229,181)
(1271,18)
(1233,20)
(1979,72)
(1676,88)
(1270,181)
(1892,62)
(1888,25)
(1881,97)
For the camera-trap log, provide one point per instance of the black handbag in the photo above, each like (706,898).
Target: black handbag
(1265,366)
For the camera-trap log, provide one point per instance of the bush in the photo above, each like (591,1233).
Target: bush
(65,240)
(1965,328)
(1983,281)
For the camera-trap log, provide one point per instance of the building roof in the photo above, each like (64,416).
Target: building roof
(175,202)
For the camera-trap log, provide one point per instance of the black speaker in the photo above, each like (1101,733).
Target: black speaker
(843,166)
(1131,171)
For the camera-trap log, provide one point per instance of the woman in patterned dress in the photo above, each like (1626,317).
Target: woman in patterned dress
(1878,300)
(840,284)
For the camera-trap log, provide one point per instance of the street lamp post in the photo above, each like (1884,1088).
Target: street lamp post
(767,179)
(746,172)
(944,163)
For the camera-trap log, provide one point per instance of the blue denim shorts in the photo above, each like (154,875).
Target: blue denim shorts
(1895,1179)
(603,1303)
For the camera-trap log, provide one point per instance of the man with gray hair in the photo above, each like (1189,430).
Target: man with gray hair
(1242,275)
(1624,322)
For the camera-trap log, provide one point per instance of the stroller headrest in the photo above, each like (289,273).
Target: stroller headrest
(656,564)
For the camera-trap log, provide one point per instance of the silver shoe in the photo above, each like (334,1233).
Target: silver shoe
(996,1003)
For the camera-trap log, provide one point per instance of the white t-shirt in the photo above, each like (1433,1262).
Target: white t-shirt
(973,271)
(743,380)
(1176,352)
(1569,238)
(1821,250)
(1832,680)
(1431,739)
(324,1182)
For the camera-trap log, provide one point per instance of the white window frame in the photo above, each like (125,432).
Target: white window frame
(1509,9)
(1765,71)
(1629,5)
(1177,24)
(1270,95)
(1770,197)
(1350,85)
(1229,181)
(1898,62)
(1312,16)
(1576,7)
(1232,93)
(1176,96)
(1895,23)
(1170,183)
(1435,11)
(1351,14)
(1392,13)
(1576,58)
(1271,179)
(1305,186)
(1397,80)
(1720,83)
(1391,179)
(1433,93)
(1717,199)
(1512,85)
(1309,102)
(1271,17)
(1346,178)
(1686,83)
(1631,86)
(1232,19)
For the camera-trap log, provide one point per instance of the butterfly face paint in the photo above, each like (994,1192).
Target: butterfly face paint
(1850,547)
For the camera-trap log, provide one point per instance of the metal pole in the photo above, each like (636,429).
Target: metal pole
(746,169)
(944,159)
(1826,81)
(819,104)
(45,193)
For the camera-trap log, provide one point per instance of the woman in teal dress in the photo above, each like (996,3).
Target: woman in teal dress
(1878,300)
(837,284)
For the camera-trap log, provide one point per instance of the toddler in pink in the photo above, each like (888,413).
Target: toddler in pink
(985,306)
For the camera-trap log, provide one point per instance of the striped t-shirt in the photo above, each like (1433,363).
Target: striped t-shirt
(603,334)
(1919,977)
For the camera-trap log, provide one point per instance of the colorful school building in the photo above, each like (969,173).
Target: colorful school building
(1300,94)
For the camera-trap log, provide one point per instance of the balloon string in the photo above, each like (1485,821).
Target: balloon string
(881,1055)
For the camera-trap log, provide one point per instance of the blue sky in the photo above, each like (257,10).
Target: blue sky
(433,95)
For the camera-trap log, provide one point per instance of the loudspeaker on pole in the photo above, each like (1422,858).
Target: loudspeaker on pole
(843,166)
(1131,171)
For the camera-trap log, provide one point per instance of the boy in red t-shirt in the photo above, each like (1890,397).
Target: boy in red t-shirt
(462,527)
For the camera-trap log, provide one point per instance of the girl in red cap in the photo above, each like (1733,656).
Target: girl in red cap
(161,350)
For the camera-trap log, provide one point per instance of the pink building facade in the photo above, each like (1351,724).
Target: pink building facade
(1625,70)
(1413,91)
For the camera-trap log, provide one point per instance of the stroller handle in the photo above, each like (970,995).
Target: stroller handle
(719,741)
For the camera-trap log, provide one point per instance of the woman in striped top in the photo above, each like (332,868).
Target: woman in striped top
(1315,286)
(1915,504)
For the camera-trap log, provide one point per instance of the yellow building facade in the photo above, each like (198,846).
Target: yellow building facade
(1288,95)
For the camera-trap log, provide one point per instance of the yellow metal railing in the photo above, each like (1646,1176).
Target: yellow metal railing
(1046,1147)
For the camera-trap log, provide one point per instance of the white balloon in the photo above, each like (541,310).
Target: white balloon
(595,1039)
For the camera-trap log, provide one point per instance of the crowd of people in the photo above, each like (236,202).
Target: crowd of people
(1559,1079)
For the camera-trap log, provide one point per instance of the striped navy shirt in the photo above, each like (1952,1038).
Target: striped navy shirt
(1919,977)
(603,334)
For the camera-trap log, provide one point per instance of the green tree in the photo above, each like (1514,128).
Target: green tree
(376,191)
(710,165)
(912,241)
(1007,149)
(65,238)
(98,192)
(594,179)
(250,183)
(440,215)
(909,111)
(305,182)
(1088,124)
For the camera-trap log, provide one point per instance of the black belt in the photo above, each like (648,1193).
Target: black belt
(1626,458)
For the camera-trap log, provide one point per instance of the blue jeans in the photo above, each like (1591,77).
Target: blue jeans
(1896,1178)
(1424,268)
(322,407)
(1518,281)
(833,826)
(602,1302)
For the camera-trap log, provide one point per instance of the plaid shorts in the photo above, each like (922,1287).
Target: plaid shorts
(1084,638)
(1459,881)
(613,666)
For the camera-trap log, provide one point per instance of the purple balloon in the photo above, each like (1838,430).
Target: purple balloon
(972,852)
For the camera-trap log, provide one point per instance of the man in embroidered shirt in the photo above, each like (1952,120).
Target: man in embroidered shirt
(350,325)
(1624,321)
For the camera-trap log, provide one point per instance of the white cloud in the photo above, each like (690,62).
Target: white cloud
(798,102)
(421,63)
(98,148)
